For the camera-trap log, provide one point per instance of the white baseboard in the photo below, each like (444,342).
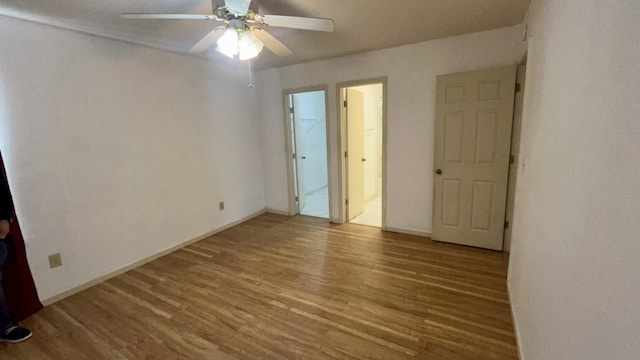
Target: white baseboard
(408,232)
(79,288)
(277,212)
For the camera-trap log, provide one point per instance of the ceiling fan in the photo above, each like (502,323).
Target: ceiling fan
(243,33)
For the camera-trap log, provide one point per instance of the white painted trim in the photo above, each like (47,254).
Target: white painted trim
(277,212)
(288,136)
(79,288)
(385,107)
(342,173)
(409,232)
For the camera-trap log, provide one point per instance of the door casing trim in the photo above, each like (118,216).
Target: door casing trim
(289,151)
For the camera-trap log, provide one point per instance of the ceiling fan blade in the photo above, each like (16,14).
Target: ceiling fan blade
(169,16)
(298,22)
(240,7)
(208,40)
(271,43)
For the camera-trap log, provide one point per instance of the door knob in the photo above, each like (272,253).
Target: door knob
(304,158)
(363,159)
(439,171)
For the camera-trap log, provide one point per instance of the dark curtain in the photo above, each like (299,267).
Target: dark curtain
(19,290)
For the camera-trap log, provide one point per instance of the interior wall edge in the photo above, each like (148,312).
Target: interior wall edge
(514,320)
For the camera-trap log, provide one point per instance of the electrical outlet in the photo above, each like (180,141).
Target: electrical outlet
(221,205)
(55,260)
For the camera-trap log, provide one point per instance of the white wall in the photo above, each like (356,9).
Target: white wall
(116,152)
(574,276)
(312,143)
(411,72)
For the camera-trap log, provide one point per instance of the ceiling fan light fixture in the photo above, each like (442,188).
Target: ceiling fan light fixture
(230,55)
(228,43)
(241,19)
(249,46)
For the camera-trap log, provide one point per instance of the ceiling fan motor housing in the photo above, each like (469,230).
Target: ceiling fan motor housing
(224,9)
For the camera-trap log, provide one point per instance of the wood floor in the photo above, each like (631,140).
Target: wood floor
(289,288)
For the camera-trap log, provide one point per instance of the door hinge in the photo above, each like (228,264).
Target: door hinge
(506,224)
(512,159)
(345,103)
(346,155)
(518,88)
(294,156)
(297,199)
(291,110)
(346,202)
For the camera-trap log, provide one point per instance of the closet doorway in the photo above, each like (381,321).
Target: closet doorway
(306,124)
(362,114)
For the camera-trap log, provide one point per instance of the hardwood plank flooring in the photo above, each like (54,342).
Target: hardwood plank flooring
(289,288)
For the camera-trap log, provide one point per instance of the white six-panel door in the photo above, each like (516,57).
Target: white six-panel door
(474,113)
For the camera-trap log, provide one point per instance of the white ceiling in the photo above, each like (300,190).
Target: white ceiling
(360,25)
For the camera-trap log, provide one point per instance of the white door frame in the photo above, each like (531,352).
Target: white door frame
(516,146)
(514,153)
(342,143)
(289,151)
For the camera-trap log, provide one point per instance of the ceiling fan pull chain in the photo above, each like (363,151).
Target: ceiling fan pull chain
(251,84)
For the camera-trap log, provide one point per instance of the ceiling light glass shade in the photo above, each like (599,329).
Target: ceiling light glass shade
(228,43)
(249,46)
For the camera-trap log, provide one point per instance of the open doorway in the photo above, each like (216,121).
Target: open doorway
(362,138)
(306,124)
